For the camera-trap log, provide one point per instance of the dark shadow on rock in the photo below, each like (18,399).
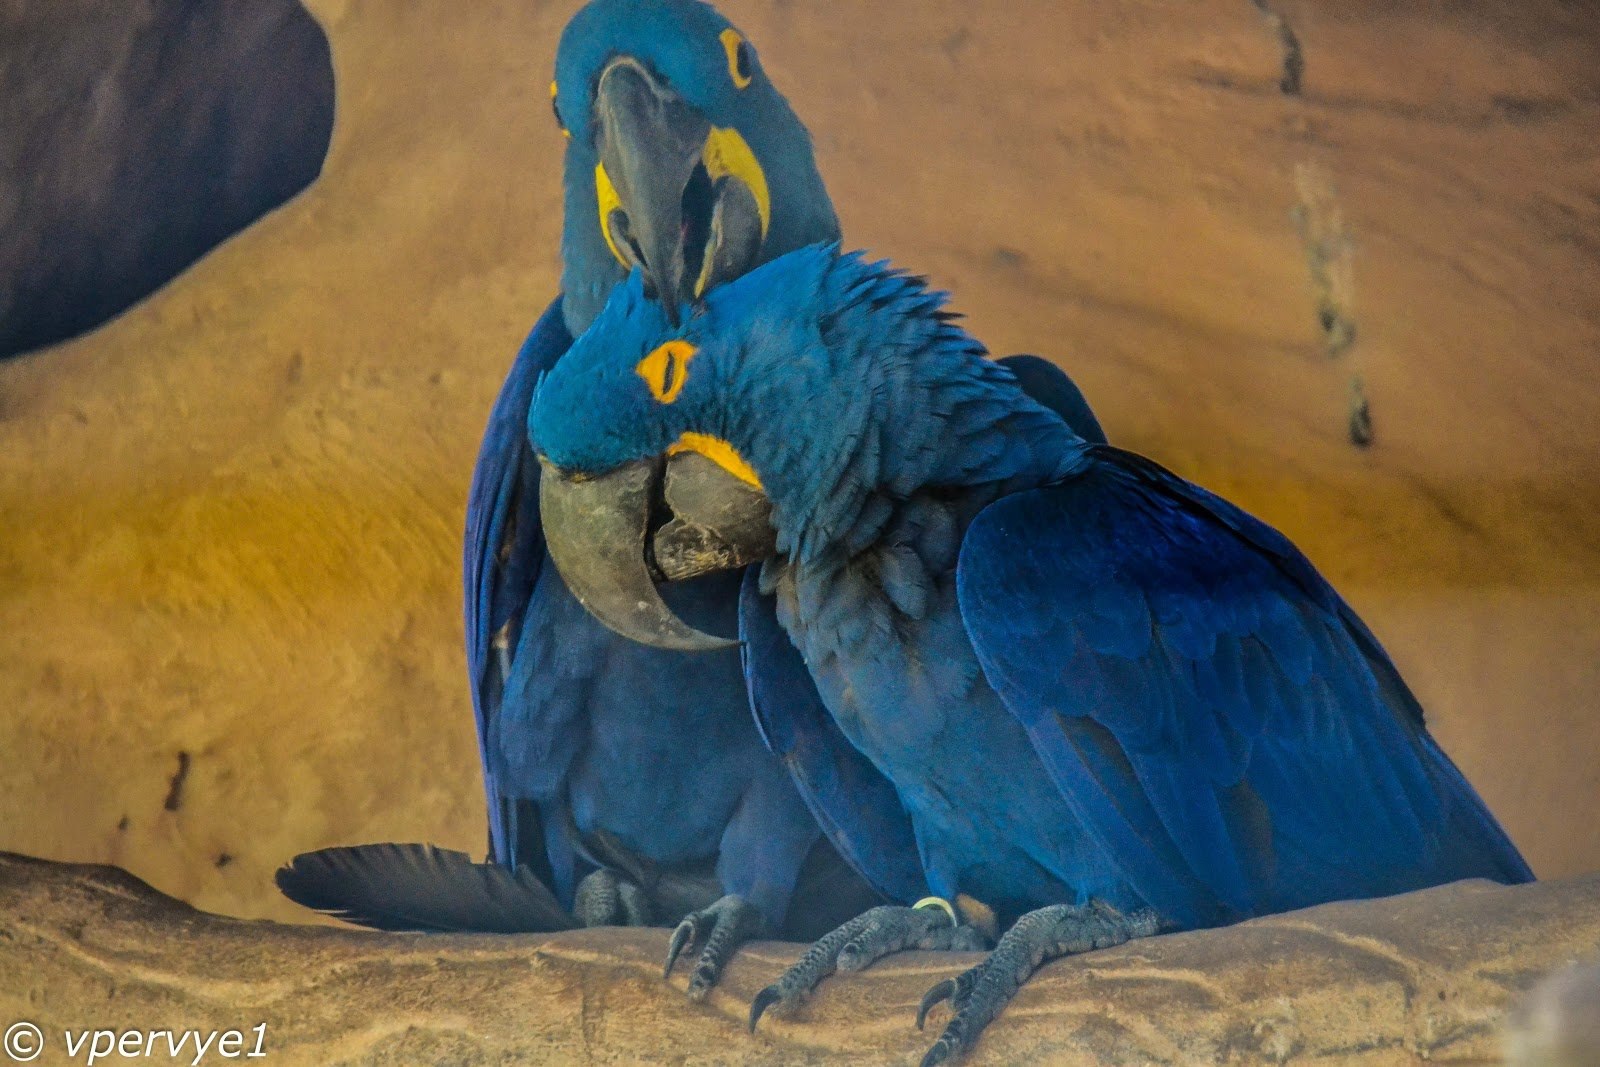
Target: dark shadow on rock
(136,137)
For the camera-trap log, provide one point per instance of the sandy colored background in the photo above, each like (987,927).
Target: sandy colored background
(230,519)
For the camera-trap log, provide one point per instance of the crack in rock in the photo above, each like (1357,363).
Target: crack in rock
(1294,57)
(1328,246)
(1360,415)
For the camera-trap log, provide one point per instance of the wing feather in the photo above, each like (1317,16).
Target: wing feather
(503,558)
(857,807)
(1212,711)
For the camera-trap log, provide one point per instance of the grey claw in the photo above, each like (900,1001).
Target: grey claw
(957,991)
(939,1053)
(857,944)
(943,991)
(764,1000)
(726,924)
(1061,930)
(682,936)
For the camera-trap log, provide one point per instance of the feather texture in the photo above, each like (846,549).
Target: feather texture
(420,887)
(597,752)
(1123,688)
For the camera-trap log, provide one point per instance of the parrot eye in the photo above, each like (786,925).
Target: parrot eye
(666,370)
(740,67)
(556,110)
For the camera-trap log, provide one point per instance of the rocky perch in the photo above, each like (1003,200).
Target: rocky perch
(1426,976)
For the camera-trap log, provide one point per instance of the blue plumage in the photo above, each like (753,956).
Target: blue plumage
(1207,705)
(1091,682)
(601,755)
(680,40)
(583,733)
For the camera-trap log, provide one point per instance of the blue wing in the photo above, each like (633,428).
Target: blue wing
(857,807)
(1216,717)
(504,555)
(1049,385)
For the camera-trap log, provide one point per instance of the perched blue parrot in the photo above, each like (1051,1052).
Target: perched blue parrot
(1112,702)
(628,780)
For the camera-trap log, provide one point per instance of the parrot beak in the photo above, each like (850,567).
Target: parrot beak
(678,198)
(614,536)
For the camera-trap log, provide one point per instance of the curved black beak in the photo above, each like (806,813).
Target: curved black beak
(614,536)
(687,225)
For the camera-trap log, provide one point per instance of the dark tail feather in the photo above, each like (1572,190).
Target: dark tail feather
(420,887)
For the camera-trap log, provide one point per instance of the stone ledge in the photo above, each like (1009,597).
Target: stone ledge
(1426,976)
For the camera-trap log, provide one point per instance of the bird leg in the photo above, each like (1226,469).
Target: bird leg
(978,995)
(723,926)
(605,898)
(868,937)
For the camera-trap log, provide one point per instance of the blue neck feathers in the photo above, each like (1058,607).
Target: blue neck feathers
(854,391)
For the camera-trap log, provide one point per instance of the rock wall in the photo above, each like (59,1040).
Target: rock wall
(230,519)
(136,136)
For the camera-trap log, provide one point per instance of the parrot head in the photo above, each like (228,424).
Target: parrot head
(638,482)
(683,161)
(782,414)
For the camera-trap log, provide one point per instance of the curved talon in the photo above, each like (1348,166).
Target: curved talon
(682,937)
(939,1053)
(764,1000)
(705,976)
(870,936)
(943,991)
(980,994)
(718,929)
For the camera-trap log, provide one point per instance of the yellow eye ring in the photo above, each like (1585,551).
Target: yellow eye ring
(666,370)
(557,111)
(741,68)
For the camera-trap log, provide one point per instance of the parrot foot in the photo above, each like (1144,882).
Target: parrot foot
(604,898)
(868,937)
(978,995)
(723,926)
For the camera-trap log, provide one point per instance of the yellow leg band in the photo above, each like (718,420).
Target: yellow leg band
(940,903)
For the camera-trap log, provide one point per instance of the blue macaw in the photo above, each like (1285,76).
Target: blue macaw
(1112,702)
(628,780)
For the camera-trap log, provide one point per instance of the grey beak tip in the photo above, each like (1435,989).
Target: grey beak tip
(595,530)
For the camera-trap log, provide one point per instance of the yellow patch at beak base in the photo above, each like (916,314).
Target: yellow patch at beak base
(606,194)
(726,154)
(719,452)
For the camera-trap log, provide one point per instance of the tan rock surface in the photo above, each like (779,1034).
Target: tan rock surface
(1422,977)
(230,520)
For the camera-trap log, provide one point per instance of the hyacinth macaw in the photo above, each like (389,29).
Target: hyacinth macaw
(1112,702)
(628,780)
